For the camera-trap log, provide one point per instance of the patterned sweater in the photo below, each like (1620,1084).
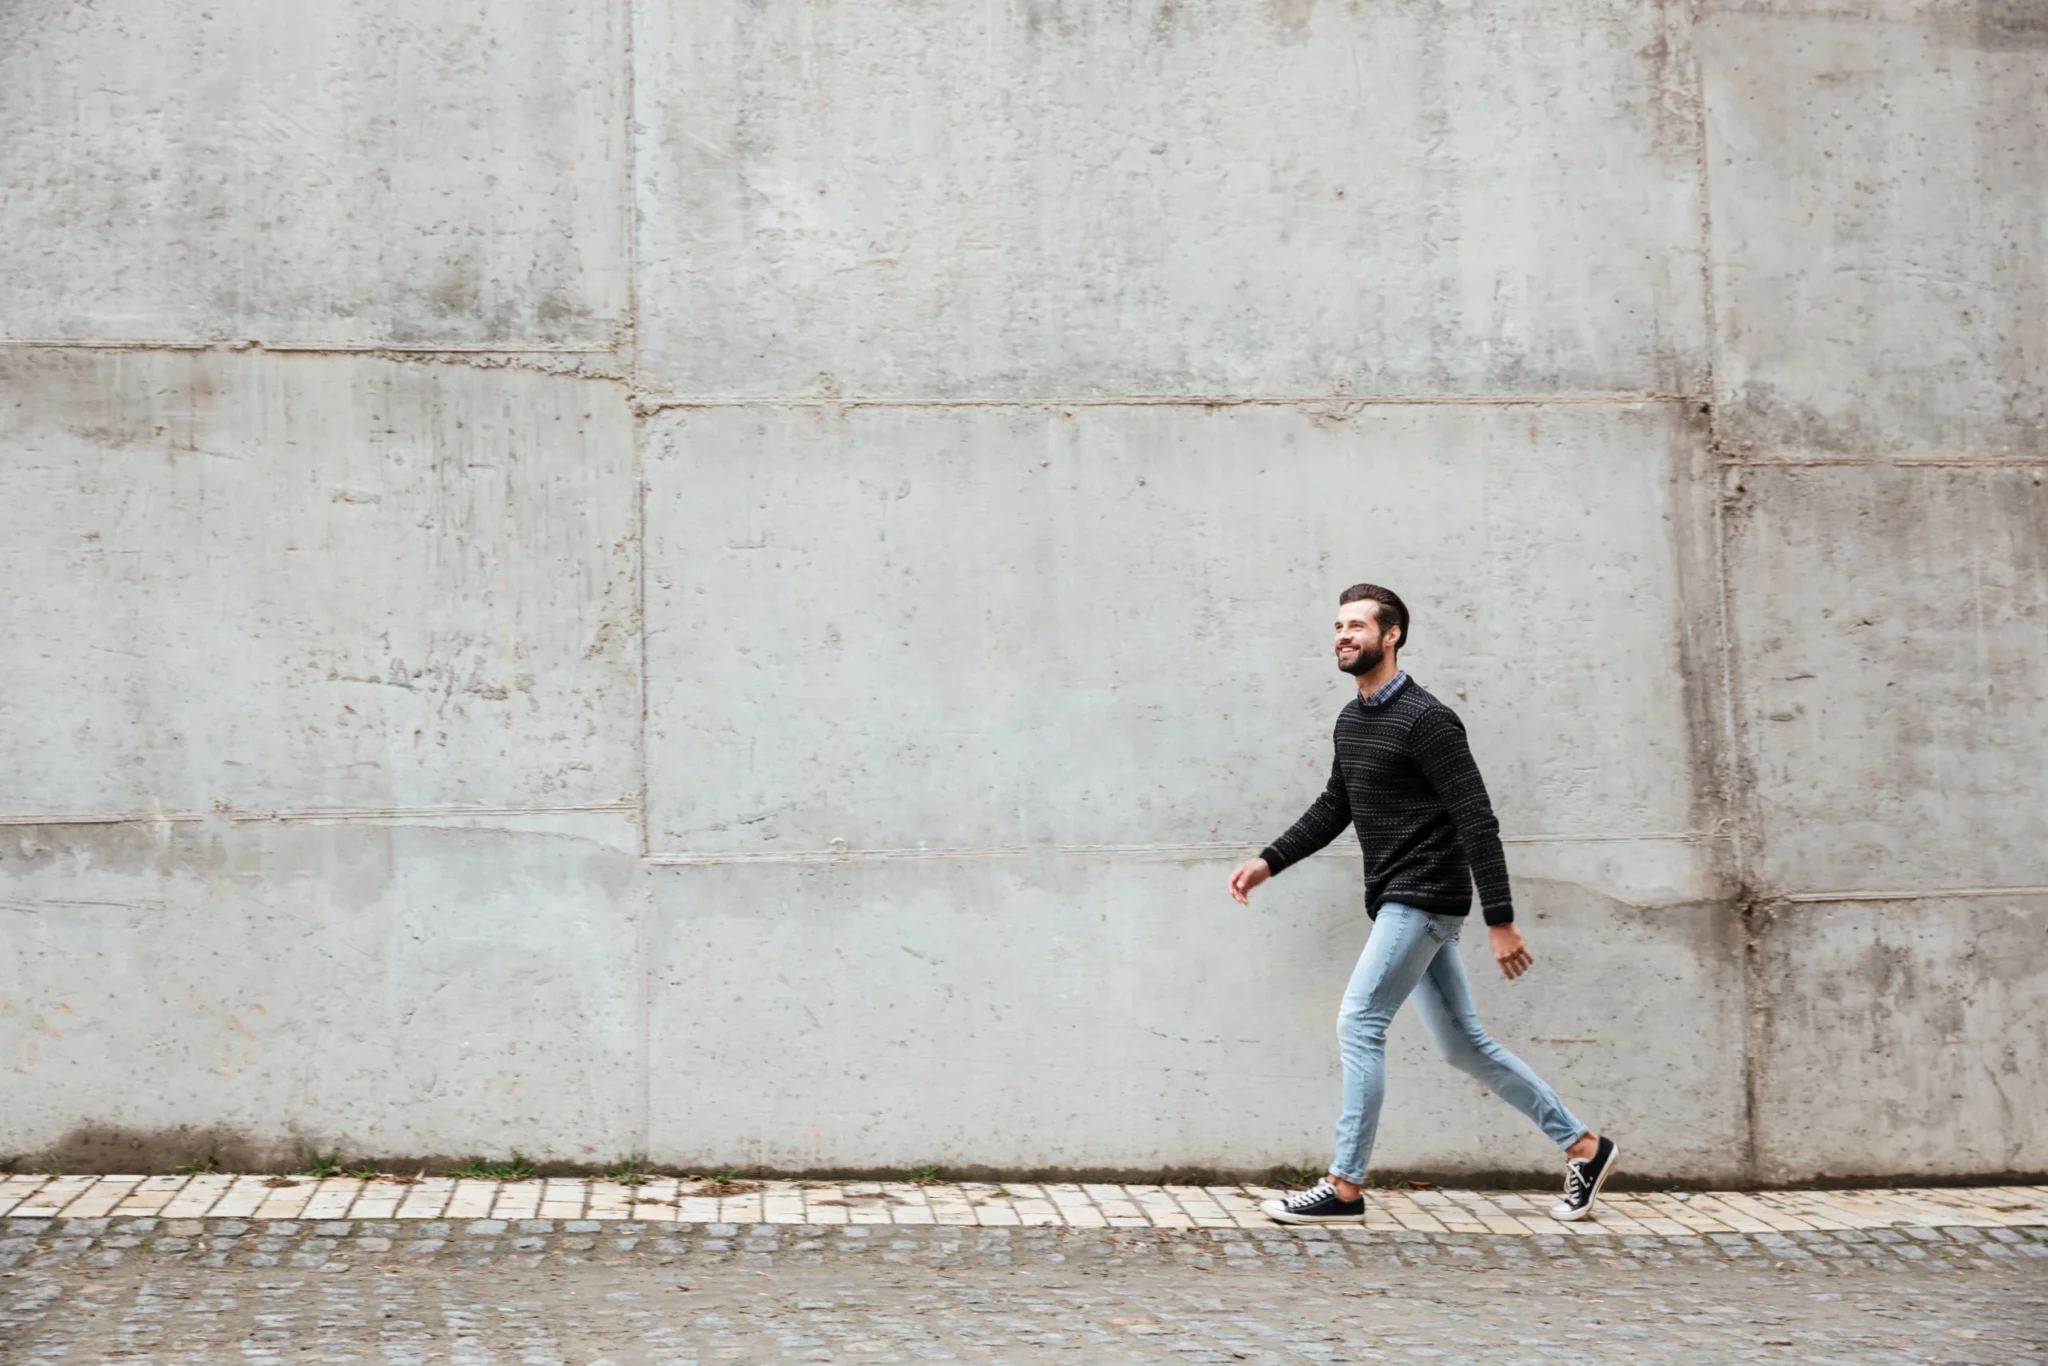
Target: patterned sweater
(1405,781)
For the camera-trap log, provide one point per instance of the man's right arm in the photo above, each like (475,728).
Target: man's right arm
(1327,817)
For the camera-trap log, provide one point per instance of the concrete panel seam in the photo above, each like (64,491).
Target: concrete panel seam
(646,406)
(365,813)
(628,19)
(41,904)
(1938,462)
(599,363)
(338,348)
(1194,851)
(1934,894)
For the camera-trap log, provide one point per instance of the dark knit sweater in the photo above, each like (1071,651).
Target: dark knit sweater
(1405,781)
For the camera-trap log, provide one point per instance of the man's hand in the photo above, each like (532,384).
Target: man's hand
(1249,874)
(1508,949)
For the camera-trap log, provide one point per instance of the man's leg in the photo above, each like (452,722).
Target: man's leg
(1444,1001)
(1397,954)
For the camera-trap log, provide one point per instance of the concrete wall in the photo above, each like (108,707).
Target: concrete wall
(608,577)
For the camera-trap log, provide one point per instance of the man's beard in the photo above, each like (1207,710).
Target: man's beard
(1365,661)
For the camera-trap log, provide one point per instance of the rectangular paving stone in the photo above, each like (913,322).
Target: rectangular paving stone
(1197,1201)
(1680,1211)
(54,1195)
(471,1198)
(101,1197)
(2010,1208)
(332,1197)
(287,1202)
(378,1200)
(1412,1216)
(151,1195)
(656,1199)
(517,1200)
(241,1199)
(610,1201)
(1746,1216)
(427,1199)
(1811,1213)
(1042,1213)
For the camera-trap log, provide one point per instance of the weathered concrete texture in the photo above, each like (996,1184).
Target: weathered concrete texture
(1903,1036)
(275,582)
(349,797)
(377,988)
(1110,1012)
(1226,198)
(1888,627)
(382,171)
(1878,195)
(1105,626)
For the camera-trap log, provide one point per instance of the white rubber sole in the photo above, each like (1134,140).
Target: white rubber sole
(1277,1212)
(1565,1216)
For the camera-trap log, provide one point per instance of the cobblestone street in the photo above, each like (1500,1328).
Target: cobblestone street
(582,1293)
(1390,1307)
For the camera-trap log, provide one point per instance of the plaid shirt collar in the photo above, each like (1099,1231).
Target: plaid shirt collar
(1385,694)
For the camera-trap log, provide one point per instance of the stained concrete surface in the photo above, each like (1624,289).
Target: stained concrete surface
(376,985)
(384,172)
(1103,626)
(1902,1031)
(1056,200)
(270,582)
(1091,1012)
(895,511)
(1889,628)
(1877,194)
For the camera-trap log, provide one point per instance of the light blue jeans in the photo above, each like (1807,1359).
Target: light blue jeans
(1411,951)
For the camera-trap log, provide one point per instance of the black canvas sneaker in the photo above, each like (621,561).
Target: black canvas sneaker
(1319,1204)
(1583,1178)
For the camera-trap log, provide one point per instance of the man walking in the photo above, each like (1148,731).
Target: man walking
(1405,781)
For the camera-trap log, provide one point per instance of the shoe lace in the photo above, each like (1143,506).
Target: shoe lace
(1575,1179)
(1310,1196)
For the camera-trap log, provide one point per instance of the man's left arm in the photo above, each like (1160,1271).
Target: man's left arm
(1445,758)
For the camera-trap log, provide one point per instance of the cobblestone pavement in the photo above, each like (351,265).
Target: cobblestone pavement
(1017,1204)
(591,1293)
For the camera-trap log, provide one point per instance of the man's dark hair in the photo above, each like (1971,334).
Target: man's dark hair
(1387,606)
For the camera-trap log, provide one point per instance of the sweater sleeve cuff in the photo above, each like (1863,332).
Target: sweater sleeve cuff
(1275,860)
(1499,915)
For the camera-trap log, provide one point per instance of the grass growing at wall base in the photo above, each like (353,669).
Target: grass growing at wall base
(516,1169)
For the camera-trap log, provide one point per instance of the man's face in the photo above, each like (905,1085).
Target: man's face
(1360,643)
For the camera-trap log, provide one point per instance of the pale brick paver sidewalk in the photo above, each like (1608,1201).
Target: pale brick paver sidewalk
(1014,1204)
